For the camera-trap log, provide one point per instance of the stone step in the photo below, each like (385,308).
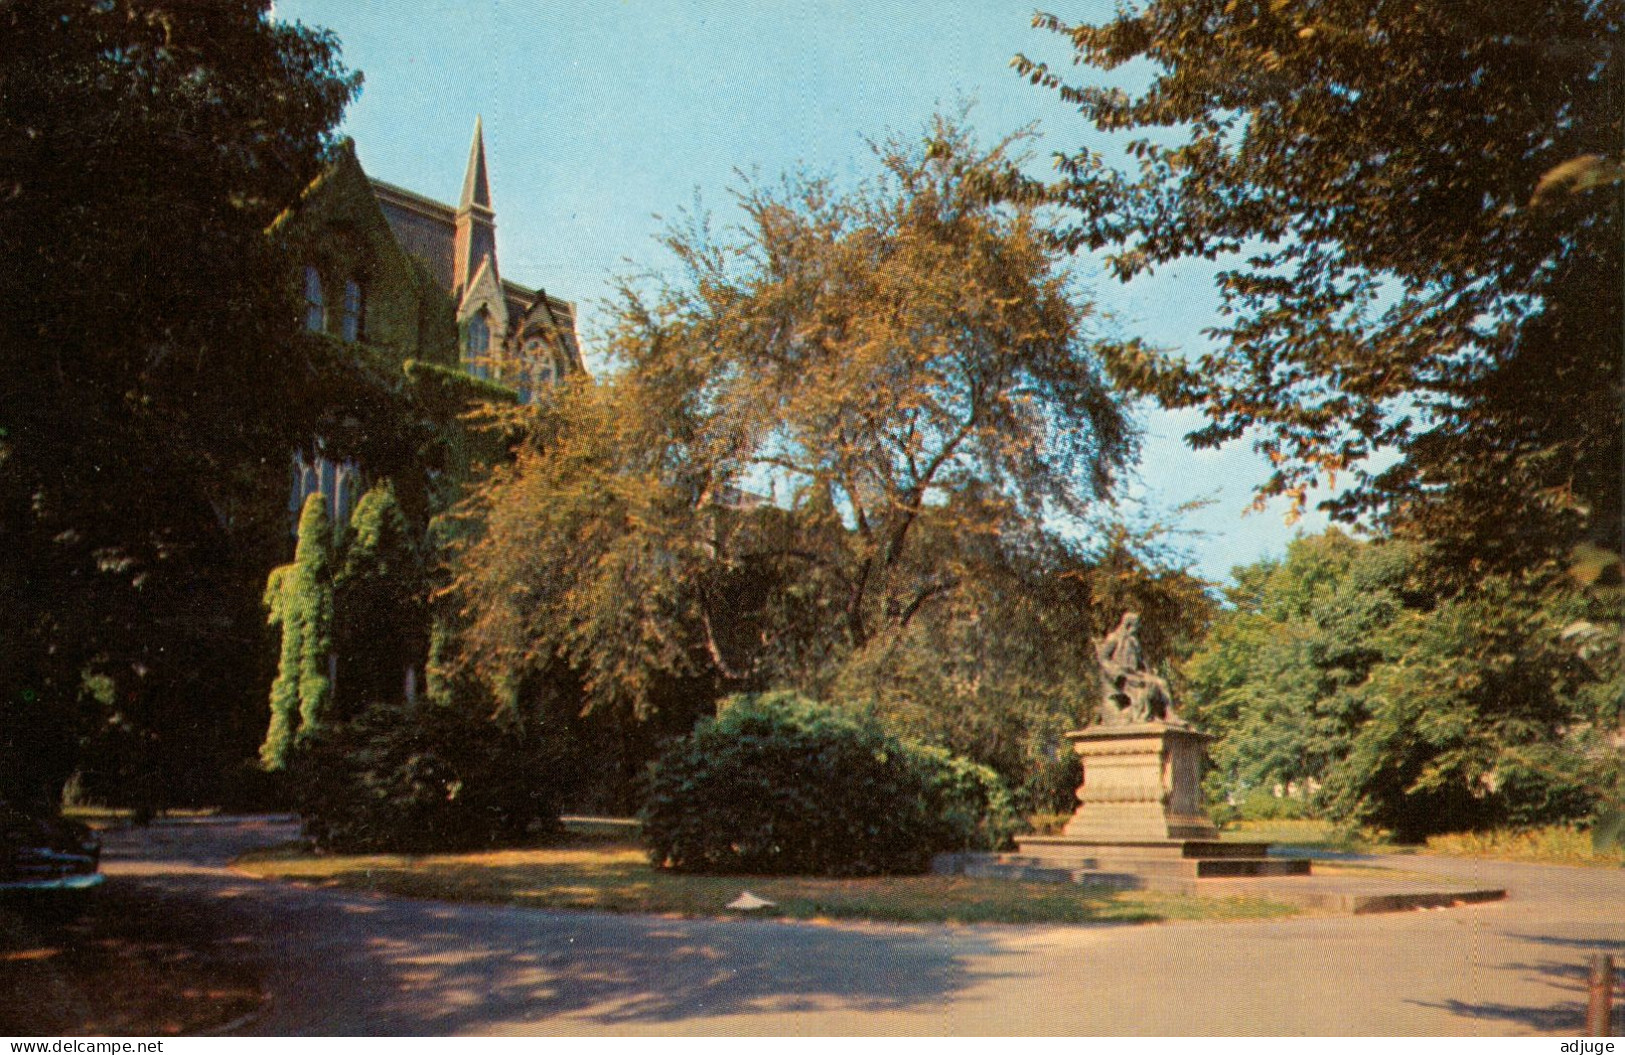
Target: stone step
(1124,873)
(1251,866)
(987,866)
(1196,868)
(1205,849)
(1225,877)
(1333,893)
(1061,847)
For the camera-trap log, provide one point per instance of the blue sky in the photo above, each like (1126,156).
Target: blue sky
(603,115)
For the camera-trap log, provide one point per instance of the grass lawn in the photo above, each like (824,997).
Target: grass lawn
(129,965)
(1555,844)
(615,876)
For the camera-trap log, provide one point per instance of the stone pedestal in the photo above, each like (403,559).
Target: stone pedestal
(1140,822)
(1140,819)
(1141,783)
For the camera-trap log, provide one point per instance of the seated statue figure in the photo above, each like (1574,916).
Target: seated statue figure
(1130,692)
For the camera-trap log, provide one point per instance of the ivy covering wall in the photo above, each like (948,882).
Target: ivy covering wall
(340,230)
(300,599)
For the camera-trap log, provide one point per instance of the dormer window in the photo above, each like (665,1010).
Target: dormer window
(351,327)
(315,307)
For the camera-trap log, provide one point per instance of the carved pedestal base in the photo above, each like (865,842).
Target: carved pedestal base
(1140,820)
(1141,783)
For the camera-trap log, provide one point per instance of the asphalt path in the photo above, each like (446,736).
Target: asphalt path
(343,963)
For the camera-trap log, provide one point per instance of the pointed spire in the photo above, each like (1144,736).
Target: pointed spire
(476,238)
(476,185)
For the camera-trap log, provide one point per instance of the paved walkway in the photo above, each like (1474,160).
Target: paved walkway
(350,963)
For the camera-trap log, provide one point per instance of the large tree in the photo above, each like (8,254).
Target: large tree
(849,422)
(152,384)
(1418,207)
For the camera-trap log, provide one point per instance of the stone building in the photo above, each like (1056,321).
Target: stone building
(520,337)
(410,283)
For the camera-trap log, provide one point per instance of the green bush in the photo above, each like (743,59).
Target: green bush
(425,779)
(777,784)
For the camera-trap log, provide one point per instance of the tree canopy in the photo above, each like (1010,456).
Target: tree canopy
(843,426)
(151,375)
(1343,674)
(1418,209)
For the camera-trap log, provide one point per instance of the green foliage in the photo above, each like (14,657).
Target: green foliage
(380,603)
(1261,804)
(434,777)
(777,784)
(1417,211)
(967,804)
(1270,676)
(1343,671)
(448,391)
(1566,844)
(300,599)
(285,689)
(152,369)
(1474,720)
(999,670)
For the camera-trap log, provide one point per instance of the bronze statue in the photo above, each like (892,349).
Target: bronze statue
(1130,692)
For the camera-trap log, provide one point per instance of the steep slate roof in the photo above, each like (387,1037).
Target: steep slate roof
(561,313)
(424,227)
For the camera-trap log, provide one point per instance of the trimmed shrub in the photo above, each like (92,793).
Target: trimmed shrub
(426,779)
(777,784)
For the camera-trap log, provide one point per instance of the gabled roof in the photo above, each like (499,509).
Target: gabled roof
(525,298)
(558,315)
(483,288)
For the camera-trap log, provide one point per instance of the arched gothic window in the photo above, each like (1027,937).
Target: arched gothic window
(305,483)
(479,343)
(339,483)
(351,328)
(346,488)
(315,307)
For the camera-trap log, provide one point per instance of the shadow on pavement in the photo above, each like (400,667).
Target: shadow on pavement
(1564,1016)
(1586,944)
(347,963)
